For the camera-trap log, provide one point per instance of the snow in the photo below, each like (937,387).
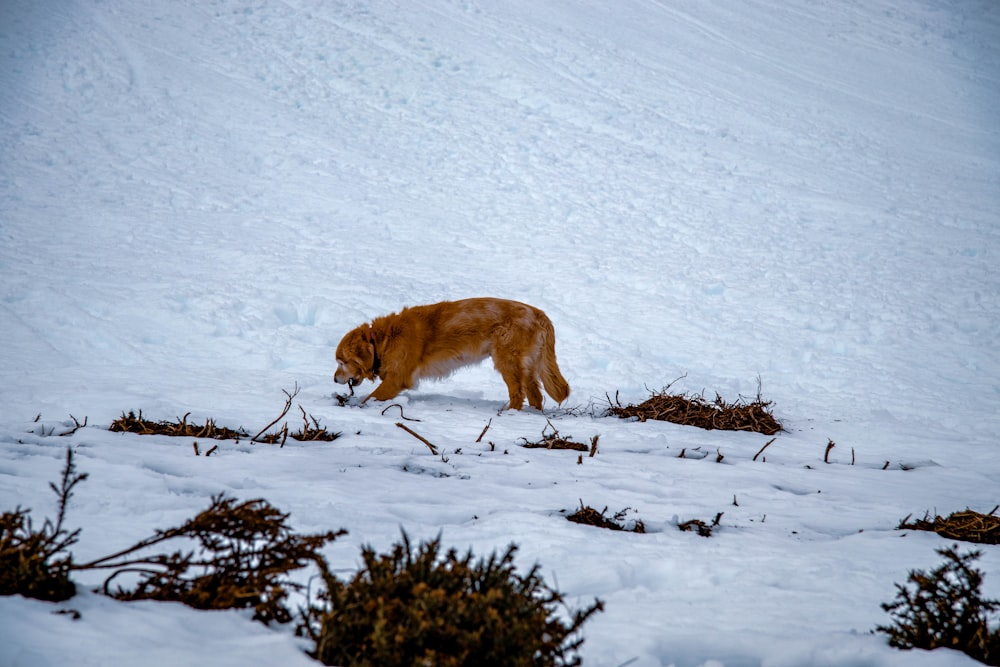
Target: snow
(198,199)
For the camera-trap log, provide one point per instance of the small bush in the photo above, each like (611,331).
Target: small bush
(36,563)
(945,609)
(244,554)
(417,608)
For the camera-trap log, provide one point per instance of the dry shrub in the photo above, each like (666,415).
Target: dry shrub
(696,410)
(968,526)
(243,555)
(588,516)
(551,439)
(702,528)
(416,607)
(36,563)
(945,609)
(130,423)
(311,431)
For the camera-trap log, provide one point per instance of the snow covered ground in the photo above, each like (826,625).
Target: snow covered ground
(197,199)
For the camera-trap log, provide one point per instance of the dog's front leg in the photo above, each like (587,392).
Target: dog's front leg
(385,391)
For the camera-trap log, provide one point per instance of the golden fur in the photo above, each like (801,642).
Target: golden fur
(432,341)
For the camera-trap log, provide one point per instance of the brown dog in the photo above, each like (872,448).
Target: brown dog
(432,341)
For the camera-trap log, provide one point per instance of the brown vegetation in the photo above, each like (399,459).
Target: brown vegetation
(310,431)
(588,516)
(553,440)
(696,410)
(968,526)
(418,607)
(36,563)
(944,608)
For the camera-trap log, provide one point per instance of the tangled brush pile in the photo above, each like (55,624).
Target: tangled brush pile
(741,415)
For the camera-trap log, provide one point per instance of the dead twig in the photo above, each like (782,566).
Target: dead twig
(761,451)
(419,437)
(485,429)
(401,415)
(77,426)
(288,406)
(826,455)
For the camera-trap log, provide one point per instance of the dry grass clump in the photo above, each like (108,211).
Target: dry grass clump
(311,430)
(968,526)
(131,423)
(588,516)
(418,607)
(551,439)
(696,410)
(945,609)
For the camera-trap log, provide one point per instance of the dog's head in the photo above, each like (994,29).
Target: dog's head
(356,357)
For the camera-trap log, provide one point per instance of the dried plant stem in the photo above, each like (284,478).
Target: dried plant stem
(826,455)
(77,426)
(419,437)
(288,406)
(485,429)
(761,451)
(401,415)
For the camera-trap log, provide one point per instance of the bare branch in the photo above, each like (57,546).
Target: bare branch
(288,406)
(766,445)
(485,428)
(419,437)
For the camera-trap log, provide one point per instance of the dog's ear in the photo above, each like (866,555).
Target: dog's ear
(370,335)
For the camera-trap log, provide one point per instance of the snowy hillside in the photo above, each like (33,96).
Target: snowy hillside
(197,199)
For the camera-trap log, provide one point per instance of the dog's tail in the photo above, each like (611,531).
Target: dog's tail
(555,384)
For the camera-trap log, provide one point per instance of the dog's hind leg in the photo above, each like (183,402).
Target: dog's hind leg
(512,376)
(531,386)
